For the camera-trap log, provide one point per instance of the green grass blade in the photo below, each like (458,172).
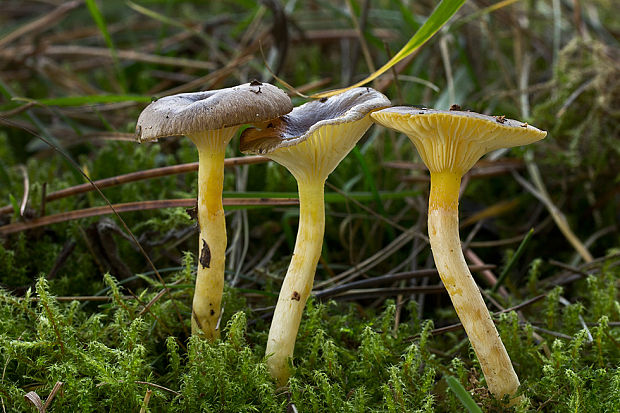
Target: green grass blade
(4,90)
(407,15)
(480,13)
(165,19)
(15,204)
(440,16)
(103,28)
(462,395)
(100,22)
(513,260)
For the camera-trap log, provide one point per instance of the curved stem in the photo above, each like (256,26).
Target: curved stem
(206,306)
(443,231)
(298,281)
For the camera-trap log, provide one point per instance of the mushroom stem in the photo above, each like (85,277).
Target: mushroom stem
(443,230)
(206,306)
(299,279)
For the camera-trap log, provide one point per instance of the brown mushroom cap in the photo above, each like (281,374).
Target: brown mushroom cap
(191,113)
(305,120)
(454,140)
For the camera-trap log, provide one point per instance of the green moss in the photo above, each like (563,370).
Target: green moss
(343,362)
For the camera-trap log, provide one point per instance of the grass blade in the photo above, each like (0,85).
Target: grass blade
(440,16)
(513,260)
(462,395)
(166,20)
(103,28)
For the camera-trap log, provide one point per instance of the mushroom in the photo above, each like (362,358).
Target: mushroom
(310,142)
(449,143)
(210,119)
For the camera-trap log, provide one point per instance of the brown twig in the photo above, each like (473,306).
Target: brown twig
(17,110)
(458,326)
(147,306)
(67,249)
(160,387)
(145,402)
(52,394)
(43,23)
(134,206)
(381,292)
(384,279)
(89,51)
(487,274)
(373,260)
(138,176)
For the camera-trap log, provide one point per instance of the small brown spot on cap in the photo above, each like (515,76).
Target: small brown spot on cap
(500,119)
(524,125)
(455,107)
(323,100)
(255,82)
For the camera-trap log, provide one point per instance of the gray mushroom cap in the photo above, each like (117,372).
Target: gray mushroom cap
(305,120)
(189,113)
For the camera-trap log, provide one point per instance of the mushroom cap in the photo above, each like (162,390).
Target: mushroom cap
(454,140)
(192,113)
(305,120)
(312,140)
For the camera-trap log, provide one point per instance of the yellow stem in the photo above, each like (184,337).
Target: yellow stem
(298,281)
(443,231)
(206,306)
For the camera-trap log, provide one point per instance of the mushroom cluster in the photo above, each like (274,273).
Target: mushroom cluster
(310,141)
